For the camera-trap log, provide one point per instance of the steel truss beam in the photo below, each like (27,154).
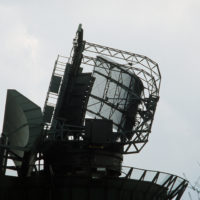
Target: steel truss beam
(148,71)
(143,67)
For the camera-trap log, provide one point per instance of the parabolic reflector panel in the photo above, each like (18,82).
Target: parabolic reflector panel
(22,122)
(114,94)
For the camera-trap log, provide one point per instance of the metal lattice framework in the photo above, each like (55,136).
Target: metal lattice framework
(143,67)
(52,97)
(148,71)
(175,185)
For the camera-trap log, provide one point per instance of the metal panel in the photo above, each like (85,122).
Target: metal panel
(73,99)
(99,131)
(113,94)
(55,84)
(48,113)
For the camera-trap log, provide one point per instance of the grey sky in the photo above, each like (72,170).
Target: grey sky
(34,32)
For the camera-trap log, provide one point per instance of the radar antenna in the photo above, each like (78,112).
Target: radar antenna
(100,105)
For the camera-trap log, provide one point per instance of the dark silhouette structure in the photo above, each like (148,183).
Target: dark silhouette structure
(100,105)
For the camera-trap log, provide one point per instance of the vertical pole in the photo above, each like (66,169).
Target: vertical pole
(1,159)
(3,155)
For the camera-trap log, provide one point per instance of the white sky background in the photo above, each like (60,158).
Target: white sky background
(33,33)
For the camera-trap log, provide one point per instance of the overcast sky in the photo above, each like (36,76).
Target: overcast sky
(33,33)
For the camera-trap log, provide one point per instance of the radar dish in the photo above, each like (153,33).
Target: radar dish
(22,124)
(115,85)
